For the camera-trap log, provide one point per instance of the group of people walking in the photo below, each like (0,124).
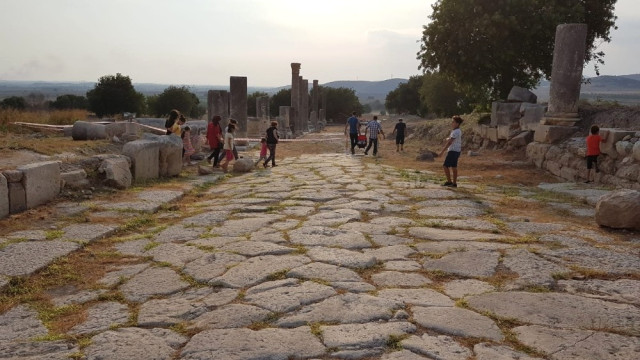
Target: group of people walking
(453,146)
(222,143)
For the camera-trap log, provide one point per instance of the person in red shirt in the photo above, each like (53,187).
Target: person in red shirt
(593,150)
(214,138)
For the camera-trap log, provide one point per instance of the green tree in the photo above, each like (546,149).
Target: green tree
(487,47)
(114,95)
(174,97)
(13,102)
(341,102)
(251,102)
(441,96)
(70,102)
(406,98)
(281,98)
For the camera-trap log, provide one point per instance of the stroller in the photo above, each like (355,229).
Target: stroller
(362,141)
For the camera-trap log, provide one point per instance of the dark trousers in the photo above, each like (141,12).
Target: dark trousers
(272,154)
(375,146)
(354,140)
(215,155)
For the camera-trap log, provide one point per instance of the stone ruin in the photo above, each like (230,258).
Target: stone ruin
(147,153)
(549,132)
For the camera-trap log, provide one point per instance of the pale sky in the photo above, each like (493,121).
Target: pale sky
(203,42)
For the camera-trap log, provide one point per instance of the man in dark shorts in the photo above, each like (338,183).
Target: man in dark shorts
(400,128)
(354,130)
(453,148)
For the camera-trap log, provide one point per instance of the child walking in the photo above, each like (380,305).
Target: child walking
(228,146)
(453,148)
(187,147)
(593,150)
(263,151)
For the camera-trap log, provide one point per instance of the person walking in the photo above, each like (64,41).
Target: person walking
(593,150)
(374,128)
(215,139)
(399,130)
(453,148)
(353,124)
(228,146)
(187,147)
(272,141)
(235,151)
(263,151)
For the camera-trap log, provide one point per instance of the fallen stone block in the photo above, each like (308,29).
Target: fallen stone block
(619,210)
(116,172)
(17,198)
(504,113)
(75,179)
(41,182)
(636,151)
(492,134)
(170,153)
(532,116)
(144,155)
(612,136)
(243,166)
(520,94)
(521,140)
(83,130)
(550,134)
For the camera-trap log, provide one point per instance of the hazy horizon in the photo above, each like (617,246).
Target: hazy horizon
(195,42)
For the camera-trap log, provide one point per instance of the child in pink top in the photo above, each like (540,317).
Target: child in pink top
(263,151)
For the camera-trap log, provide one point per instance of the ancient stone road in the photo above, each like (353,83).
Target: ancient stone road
(329,257)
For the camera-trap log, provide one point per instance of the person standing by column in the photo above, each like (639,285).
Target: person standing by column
(228,146)
(453,148)
(400,128)
(374,128)
(354,130)
(215,140)
(272,141)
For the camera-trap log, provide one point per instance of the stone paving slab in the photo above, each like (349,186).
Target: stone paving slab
(473,263)
(558,310)
(399,279)
(326,272)
(321,236)
(343,309)
(258,269)
(436,347)
(419,297)
(363,336)
(18,259)
(42,350)
(565,344)
(342,257)
(485,351)
(103,316)
(531,269)
(209,267)
(290,296)
(429,233)
(20,323)
(623,290)
(231,316)
(240,344)
(457,322)
(156,281)
(135,343)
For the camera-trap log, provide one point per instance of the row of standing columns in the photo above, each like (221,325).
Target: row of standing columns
(305,113)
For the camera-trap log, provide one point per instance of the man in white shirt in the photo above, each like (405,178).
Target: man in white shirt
(453,148)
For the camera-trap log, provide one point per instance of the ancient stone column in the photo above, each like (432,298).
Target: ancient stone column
(218,104)
(314,105)
(238,103)
(295,96)
(566,74)
(262,112)
(566,77)
(303,116)
(284,124)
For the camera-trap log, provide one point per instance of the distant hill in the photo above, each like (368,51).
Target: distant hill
(368,89)
(607,83)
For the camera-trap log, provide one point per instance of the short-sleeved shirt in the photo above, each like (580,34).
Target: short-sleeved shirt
(456,145)
(228,141)
(374,127)
(354,124)
(593,145)
(399,129)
